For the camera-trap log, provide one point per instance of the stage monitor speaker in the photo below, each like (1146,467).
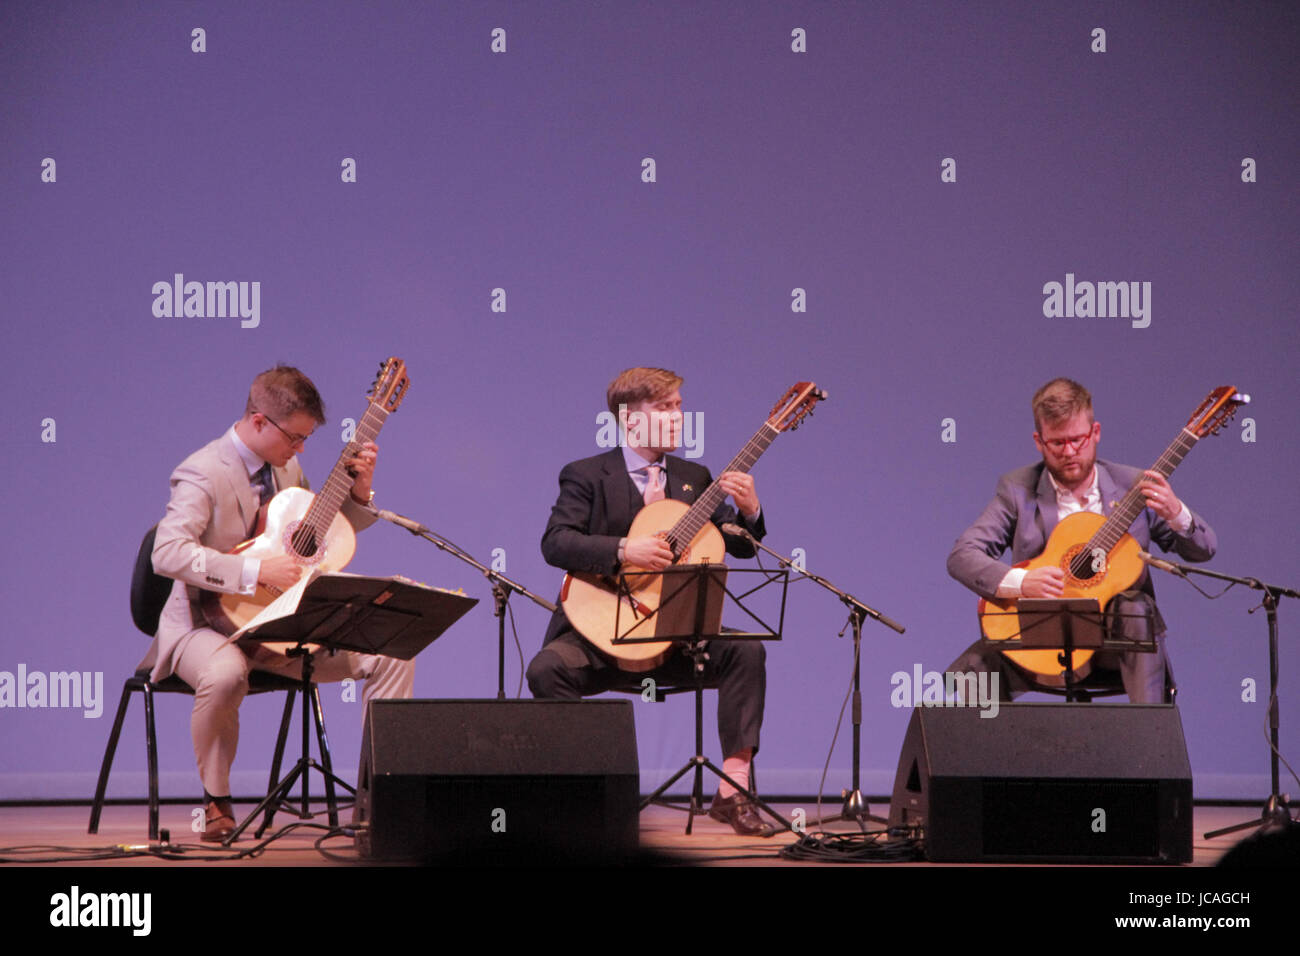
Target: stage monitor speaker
(497,782)
(1047,783)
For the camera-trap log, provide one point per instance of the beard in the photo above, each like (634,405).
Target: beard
(1073,473)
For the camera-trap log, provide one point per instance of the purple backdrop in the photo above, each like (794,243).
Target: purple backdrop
(1162,160)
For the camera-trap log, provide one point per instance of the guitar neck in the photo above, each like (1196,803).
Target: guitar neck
(339,483)
(689,525)
(1134,501)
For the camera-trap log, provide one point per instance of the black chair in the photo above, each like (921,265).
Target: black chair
(149,592)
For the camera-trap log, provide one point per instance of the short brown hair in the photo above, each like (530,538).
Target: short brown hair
(1058,400)
(279,392)
(640,385)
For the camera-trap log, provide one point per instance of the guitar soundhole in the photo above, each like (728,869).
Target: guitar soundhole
(300,541)
(1081,567)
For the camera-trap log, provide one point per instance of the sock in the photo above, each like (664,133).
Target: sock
(737,768)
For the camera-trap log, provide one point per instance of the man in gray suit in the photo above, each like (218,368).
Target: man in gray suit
(1028,505)
(215,496)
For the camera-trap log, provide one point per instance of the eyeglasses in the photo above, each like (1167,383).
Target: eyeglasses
(1059,445)
(294,440)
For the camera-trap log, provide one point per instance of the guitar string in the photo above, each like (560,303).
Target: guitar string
(337,484)
(689,525)
(325,505)
(1133,501)
(1115,527)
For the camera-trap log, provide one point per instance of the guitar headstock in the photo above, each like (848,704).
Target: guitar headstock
(390,385)
(794,405)
(1215,412)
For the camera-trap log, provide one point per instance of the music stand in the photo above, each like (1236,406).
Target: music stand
(393,616)
(690,613)
(1068,625)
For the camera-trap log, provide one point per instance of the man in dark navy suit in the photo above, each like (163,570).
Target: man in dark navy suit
(599,497)
(1028,505)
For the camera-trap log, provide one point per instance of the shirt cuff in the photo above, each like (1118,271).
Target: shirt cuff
(1009,586)
(1182,522)
(248,576)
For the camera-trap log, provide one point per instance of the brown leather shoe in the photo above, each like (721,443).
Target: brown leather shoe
(218,821)
(740,813)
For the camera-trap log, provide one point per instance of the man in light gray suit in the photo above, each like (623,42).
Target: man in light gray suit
(1028,505)
(215,496)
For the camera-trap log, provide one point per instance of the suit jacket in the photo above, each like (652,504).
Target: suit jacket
(212,508)
(597,503)
(1023,514)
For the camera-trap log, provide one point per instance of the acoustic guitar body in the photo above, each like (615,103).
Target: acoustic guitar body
(592,602)
(1110,574)
(227,613)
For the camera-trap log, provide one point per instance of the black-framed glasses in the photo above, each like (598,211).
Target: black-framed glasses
(294,440)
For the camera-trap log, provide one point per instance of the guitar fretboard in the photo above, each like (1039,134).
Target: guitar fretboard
(1134,501)
(688,526)
(338,485)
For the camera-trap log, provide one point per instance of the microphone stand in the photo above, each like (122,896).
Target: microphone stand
(1275,813)
(502,586)
(855,806)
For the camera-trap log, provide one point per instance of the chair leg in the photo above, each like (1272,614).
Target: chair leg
(151,745)
(109,751)
(323,744)
(289,697)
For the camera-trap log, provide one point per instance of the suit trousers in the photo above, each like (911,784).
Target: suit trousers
(1142,674)
(563,670)
(218,672)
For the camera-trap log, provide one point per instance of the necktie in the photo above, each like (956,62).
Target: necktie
(264,484)
(653,492)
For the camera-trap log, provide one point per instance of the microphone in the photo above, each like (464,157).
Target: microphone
(409,524)
(736,530)
(1162,565)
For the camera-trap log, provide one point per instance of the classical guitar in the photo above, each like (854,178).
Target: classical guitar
(593,602)
(1098,555)
(308,526)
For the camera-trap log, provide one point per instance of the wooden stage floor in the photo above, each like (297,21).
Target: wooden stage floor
(292,890)
(662,836)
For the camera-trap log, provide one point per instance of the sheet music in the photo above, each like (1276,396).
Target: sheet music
(283,606)
(399,579)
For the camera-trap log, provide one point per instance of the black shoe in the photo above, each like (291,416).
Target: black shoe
(740,813)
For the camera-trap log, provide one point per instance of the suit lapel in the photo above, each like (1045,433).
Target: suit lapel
(237,476)
(615,482)
(1048,509)
(282,479)
(676,489)
(1111,493)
